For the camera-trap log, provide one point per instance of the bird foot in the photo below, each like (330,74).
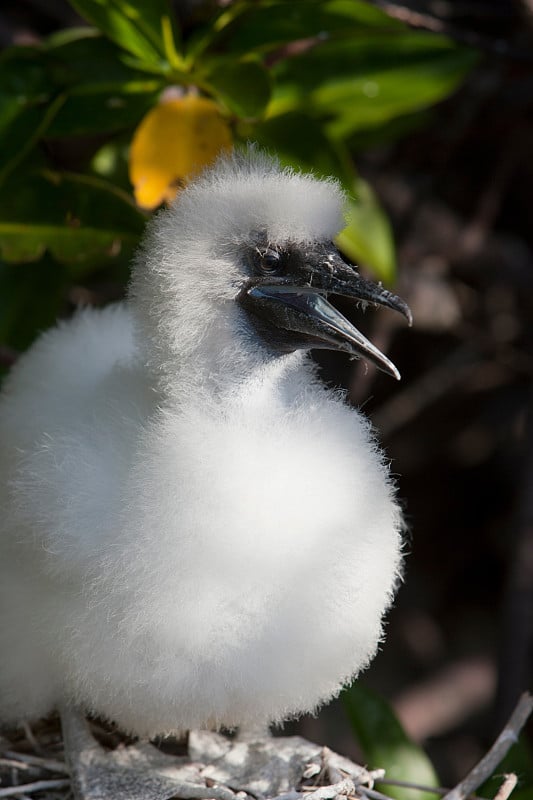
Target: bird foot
(217,768)
(134,772)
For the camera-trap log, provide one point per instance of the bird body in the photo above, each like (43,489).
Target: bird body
(195,531)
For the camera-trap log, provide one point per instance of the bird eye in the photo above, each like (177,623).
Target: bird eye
(270,260)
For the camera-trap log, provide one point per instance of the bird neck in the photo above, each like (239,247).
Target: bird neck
(217,367)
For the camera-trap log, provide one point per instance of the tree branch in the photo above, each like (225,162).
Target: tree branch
(499,749)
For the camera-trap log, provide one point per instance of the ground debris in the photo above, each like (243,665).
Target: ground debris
(215,767)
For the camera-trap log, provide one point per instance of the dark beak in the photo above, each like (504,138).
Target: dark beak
(296,305)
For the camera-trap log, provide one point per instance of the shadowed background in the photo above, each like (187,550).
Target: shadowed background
(457,188)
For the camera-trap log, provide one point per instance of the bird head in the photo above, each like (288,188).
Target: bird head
(246,255)
(289,298)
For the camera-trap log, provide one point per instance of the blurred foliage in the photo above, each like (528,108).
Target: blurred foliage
(303,79)
(385,744)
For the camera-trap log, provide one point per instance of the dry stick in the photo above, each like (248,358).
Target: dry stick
(38,786)
(490,761)
(507,787)
(418,786)
(10,762)
(440,790)
(51,764)
(373,793)
(31,738)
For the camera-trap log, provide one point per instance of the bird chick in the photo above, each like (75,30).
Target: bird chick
(196,532)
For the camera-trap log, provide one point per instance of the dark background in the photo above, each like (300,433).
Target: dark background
(459,647)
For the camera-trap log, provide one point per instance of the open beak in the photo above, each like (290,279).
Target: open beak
(296,304)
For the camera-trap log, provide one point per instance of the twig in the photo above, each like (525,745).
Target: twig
(345,787)
(418,786)
(9,762)
(30,736)
(373,793)
(490,761)
(51,764)
(38,786)
(295,48)
(440,790)
(510,781)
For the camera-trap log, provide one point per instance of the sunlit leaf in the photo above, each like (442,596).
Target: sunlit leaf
(135,25)
(367,239)
(85,54)
(176,140)
(363,81)
(78,219)
(386,745)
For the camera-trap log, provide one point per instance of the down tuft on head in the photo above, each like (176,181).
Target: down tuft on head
(248,191)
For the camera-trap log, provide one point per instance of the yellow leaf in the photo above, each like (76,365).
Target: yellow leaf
(175,140)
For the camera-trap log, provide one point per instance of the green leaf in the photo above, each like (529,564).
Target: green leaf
(243,86)
(386,745)
(391,131)
(368,238)
(22,75)
(78,219)
(82,55)
(96,109)
(76,83)
(26,129)
(135,25)
(103,94)
(300,141)
(360,82)
(273,24)
(27,104)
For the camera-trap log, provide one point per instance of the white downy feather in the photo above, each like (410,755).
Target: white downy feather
(193,532)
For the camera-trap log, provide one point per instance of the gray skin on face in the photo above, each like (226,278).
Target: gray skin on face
(287,297)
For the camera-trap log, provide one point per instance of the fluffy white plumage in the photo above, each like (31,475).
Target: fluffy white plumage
(193,531)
